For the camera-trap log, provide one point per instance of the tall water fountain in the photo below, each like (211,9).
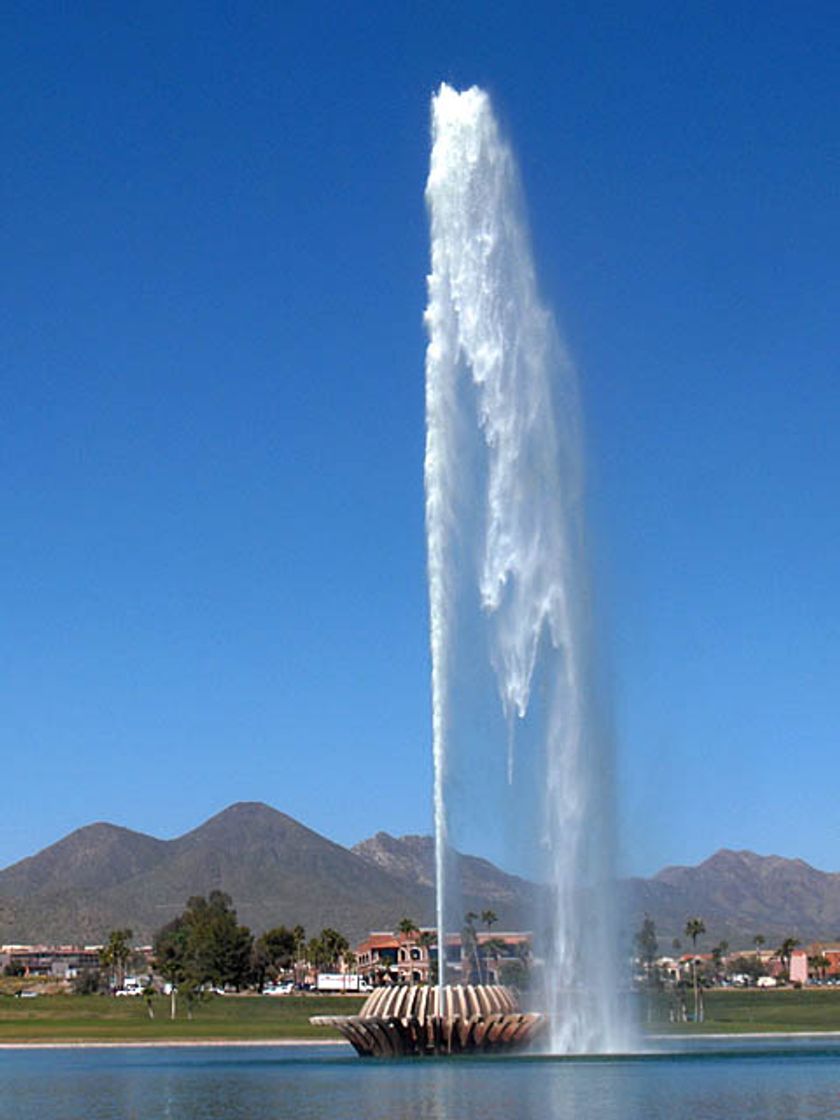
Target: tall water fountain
(521,761)
(520,754)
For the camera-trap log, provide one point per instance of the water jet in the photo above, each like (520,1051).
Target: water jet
(517,719)
(517,726)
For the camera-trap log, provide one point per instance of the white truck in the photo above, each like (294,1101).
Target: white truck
(341,982)
(132,986)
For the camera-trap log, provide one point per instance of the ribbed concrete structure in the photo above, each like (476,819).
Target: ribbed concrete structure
(413,1020)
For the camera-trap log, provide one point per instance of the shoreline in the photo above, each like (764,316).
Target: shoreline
(745,1034)
(185,1044)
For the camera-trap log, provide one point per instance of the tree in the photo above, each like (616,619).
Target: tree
(316,954)
(426,940)
(408,930)
(88,982)
(718,954)
(114,955)
(819,964)
(493,949)
(335,944)
(326,950)
(514,973)
(647,950)
(469,942)
(260,966)
(489,919)
(299,934)
(382,966)
(171,957)
(219,949)
(407,927)
(750,966)
(694,928)
(647,945)
(785,952)
(193,993)
(274,951)
(204,946)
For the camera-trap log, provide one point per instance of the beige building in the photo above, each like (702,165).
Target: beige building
(411,958)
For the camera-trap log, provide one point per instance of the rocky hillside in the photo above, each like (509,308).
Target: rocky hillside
(413,858)
(278,871)
(275,869)
(483,885)
(739,895)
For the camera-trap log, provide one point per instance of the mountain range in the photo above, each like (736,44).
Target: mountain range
(276,870)
(739,895)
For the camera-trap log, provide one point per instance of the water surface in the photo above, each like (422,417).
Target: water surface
(711,1080)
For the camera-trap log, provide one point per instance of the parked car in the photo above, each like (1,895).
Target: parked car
(283,989)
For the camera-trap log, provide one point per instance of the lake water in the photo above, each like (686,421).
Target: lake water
(707,1081)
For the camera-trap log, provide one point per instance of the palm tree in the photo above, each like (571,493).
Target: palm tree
(407,930)
(382,967)
(785,952)
(489,918)
(426,940)
(407,927)
(694,928)
(818,964)
(299,934)
(470,940)
(116,953)
(326,950)
(314,952)
(718,953)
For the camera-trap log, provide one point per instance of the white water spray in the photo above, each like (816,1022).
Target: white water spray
(504,523)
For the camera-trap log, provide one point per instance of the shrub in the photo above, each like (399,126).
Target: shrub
(87,983)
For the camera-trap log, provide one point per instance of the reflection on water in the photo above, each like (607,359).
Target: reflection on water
(711,1081)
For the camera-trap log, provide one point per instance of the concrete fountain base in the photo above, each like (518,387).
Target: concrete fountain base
(413,1020)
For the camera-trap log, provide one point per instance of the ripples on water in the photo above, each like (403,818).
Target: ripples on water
(785,1082)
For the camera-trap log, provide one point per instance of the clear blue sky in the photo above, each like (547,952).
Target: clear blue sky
(212,558)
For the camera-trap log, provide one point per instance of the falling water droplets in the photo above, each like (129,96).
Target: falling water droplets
(498,379)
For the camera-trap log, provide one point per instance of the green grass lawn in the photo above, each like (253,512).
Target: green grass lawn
(66,1018)
(736,1010)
